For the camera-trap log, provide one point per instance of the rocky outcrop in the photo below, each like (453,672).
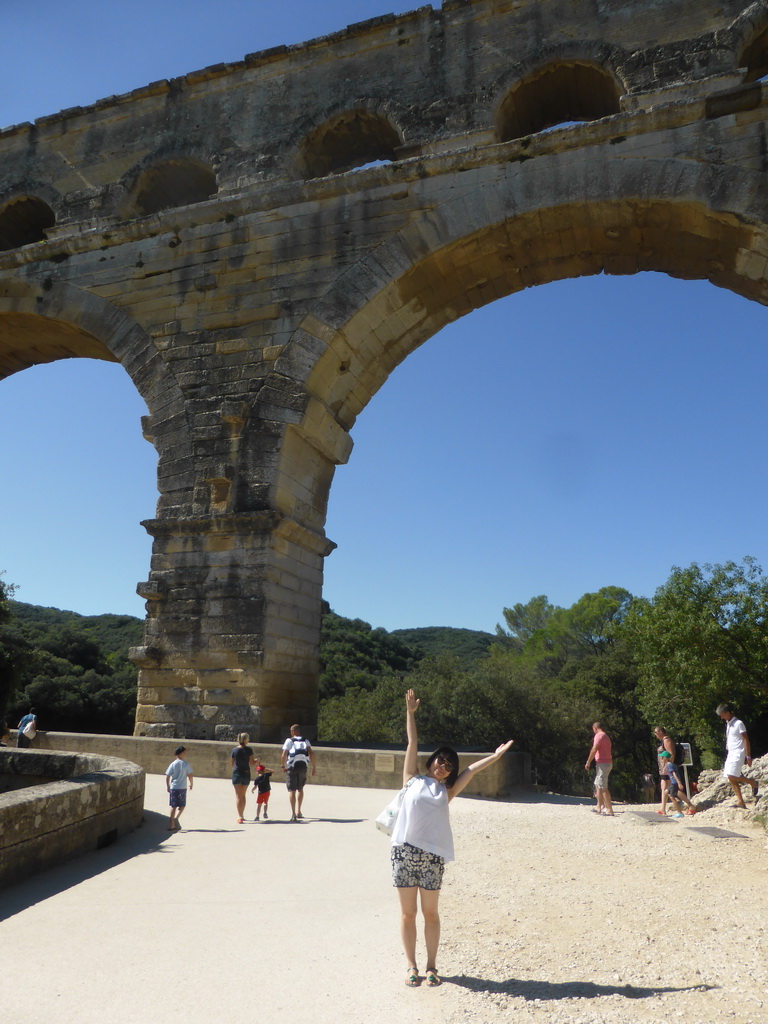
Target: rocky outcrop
(715,791)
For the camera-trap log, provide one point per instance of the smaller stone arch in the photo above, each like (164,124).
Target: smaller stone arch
(560,90)
(751,35)
(40,323)
(170,183)
(24,218)
(360,134)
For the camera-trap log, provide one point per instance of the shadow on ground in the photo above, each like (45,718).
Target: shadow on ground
(149,837)
(529,796)
(547,990)
(328,821)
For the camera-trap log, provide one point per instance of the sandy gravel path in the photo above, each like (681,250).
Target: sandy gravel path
(550,914)
(587,920)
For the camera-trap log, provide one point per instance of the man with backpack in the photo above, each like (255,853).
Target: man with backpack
(296,754)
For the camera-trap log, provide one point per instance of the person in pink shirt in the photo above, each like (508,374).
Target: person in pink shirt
(601,755)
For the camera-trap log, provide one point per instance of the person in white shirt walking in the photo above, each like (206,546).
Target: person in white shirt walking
(738,752)
(296,755)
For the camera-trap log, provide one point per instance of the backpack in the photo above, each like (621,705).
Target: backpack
(300,749)
(680,753)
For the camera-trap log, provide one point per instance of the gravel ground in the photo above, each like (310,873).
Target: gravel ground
(552,913)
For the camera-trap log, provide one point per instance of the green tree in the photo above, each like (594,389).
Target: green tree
(588,627)
(15,651)
(607,683)
(701,640)
(74,668)
(364,715)
(524,621)
(572,669)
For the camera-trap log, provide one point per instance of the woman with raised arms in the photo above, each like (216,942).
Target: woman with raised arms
(422,840)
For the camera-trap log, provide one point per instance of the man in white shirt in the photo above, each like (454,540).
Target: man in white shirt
(737,753)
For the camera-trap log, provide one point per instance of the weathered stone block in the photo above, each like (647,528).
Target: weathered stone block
(78,803)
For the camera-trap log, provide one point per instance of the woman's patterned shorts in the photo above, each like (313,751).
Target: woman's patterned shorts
(414,867)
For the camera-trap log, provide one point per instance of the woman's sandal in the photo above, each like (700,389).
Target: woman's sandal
(413,980)
(432,978)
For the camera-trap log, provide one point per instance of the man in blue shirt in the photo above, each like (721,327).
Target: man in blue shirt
(24,739)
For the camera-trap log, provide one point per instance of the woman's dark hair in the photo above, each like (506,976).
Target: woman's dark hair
(450,755)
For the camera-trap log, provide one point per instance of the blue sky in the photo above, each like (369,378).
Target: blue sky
(585,433)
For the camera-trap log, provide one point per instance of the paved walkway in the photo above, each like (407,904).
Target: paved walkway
(216,922)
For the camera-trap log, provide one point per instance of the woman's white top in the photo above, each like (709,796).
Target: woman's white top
(423,820)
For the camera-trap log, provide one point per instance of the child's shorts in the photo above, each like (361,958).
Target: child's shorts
(263,798)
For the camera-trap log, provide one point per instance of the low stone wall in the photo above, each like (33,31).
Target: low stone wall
(336,766)
(88,801)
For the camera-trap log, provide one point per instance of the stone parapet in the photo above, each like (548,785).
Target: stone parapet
(73,803)
(336,766)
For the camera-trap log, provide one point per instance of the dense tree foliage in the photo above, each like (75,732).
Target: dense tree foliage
(465,644)
(14,651)
(523,621)
(700,641)
(631,663)
(544,682)
(73,668)
(354,656)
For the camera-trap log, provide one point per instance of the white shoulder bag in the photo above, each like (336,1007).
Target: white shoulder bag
(385,822)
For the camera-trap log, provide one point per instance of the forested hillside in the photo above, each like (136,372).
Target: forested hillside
(465,644)
(542,679)
(73,668)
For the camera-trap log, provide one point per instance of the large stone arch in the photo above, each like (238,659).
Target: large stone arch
(471,252)
(478,248)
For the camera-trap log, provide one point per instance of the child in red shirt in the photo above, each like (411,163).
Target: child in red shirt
(263,785)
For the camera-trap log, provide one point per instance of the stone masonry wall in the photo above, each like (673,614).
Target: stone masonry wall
(86,802)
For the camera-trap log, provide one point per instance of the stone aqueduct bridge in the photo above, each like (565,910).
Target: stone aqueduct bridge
(220,237)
